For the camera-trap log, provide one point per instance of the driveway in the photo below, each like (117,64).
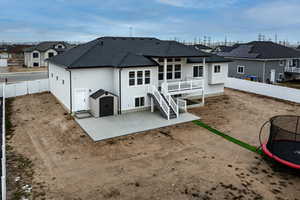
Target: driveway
(115,126)
(22,76)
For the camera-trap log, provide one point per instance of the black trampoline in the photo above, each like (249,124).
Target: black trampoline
(283,143)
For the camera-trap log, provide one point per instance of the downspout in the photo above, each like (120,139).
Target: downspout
(264,72)
(71,100)
(120,92)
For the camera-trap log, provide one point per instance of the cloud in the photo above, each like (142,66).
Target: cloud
(276,13)
(199,4)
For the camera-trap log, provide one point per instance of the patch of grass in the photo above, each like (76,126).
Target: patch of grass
(229,138)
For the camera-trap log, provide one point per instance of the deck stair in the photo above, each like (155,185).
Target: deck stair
(164,102)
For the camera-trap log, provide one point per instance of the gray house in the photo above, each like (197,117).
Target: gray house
(264,62)
(37,55)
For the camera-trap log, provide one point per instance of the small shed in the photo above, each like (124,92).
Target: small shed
(103,103)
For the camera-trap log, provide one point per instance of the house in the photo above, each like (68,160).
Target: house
(116,75)
(202,47)
(37,55)
(3,57)
(263,61)
(15,51)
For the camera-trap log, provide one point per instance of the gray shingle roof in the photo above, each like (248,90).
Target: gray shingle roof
(261,50)
(122,52)
(99,93)
(44,46)
(212,59)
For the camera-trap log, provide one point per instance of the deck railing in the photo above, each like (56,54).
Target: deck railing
(162,103)
(292,69)
(178,86)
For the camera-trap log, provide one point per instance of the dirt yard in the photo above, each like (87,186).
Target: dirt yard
(25,69)
(180,162)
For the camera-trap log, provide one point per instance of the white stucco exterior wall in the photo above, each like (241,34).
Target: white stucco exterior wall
(129,93)
(58,75)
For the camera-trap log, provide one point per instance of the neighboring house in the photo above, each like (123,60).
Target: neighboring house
(15,51)
(115,75)
(201,47)
(3,57)
(264,62)
(37,56)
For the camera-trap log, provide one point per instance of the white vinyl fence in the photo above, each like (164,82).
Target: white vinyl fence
(26,87)
(275,91)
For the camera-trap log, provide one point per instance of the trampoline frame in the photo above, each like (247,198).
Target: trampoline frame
(268,152)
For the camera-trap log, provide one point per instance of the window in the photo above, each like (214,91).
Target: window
(131,78)
(177,59)
(217,68)
(240,69)
(177,72)
(198,71)
(169,71)
(147,77)
(161,72)
(139,101)
(36,64)
(52,75)
(57,78)
(140,77)
(63,82)
(170,60)
(160,60)
(282,63)
(35,55)
(50,54)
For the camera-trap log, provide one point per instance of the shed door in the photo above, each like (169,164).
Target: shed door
(273,75)
(106,106)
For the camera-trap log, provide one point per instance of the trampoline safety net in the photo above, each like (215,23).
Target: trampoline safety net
(284,138)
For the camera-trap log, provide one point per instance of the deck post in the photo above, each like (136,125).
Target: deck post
(152,104)
(165,70)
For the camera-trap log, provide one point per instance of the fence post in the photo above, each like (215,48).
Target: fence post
(3,178)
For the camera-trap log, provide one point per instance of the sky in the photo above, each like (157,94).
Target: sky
(85,20)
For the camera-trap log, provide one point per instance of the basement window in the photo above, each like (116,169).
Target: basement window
(35,64)
(139,102)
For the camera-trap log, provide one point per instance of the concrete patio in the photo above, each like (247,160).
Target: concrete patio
(115,126)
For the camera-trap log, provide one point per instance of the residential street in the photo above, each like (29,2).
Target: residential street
(23,76)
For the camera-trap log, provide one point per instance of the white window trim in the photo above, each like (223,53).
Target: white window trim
(200,77)
(173,72)
(240,66)
(135,78)
(215,70)
(135,97)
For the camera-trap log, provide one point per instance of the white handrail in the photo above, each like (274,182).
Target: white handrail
(292,69)
(163,104)
(172,103)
